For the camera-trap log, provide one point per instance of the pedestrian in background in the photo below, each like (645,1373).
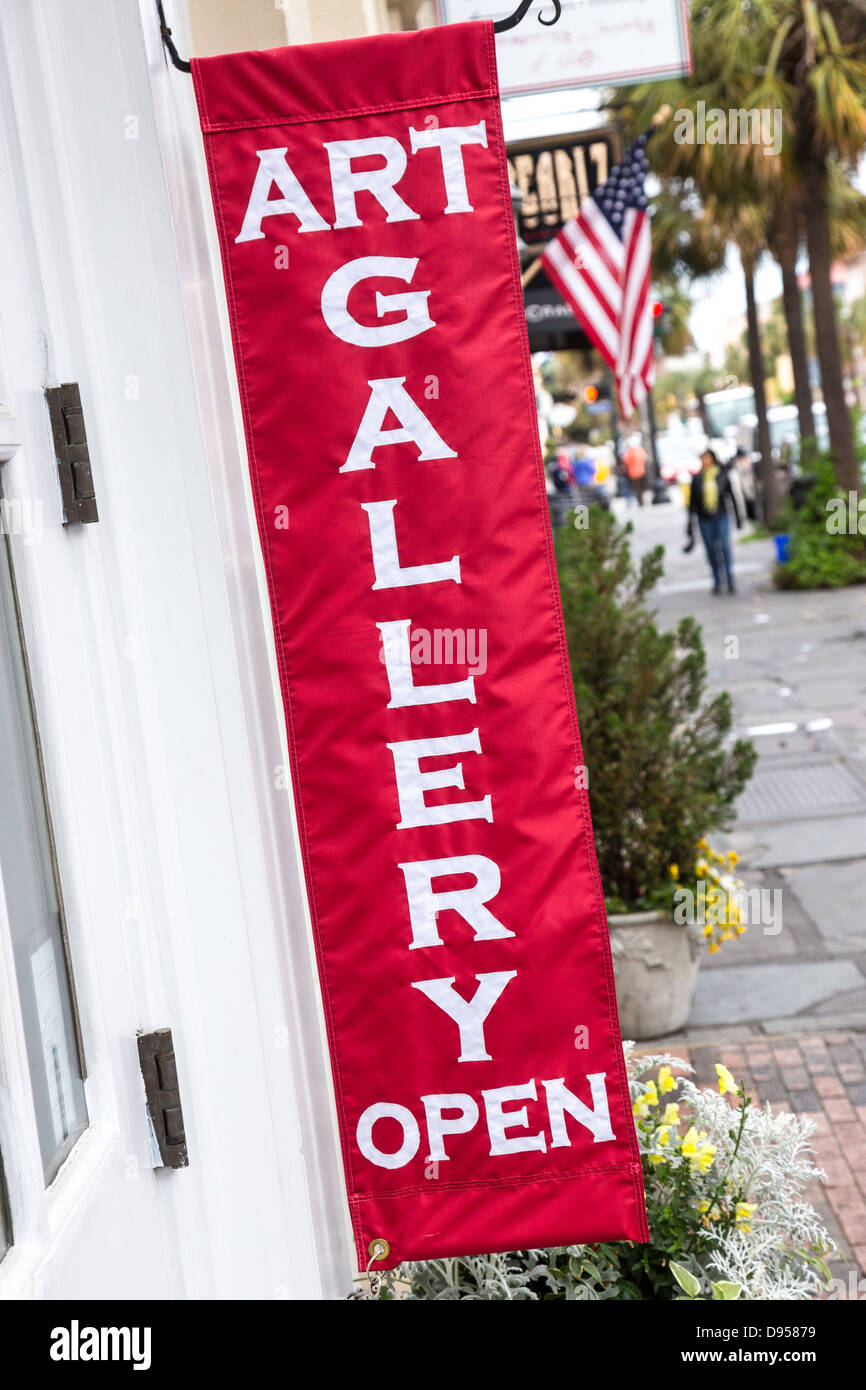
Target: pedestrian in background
(635,467)
(713,502)
(562,478)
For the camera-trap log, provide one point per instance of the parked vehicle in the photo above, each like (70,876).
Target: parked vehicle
(784,430)
(725,409)
(679,455)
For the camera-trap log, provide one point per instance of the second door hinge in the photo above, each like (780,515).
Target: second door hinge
(159,1069)
(72,453)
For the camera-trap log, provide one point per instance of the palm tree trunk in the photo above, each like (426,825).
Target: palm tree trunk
(784,243)
(826,331)
(766,471)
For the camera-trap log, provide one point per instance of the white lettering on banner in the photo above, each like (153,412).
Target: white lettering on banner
(438,1126)
(498,1120)
(412,782)
(273,168)
(561,1101)
(449,140)
(398,668)
(425,904)
(390,574)
(411,1135)
(386,394)
(470,1015)
(447,1114)
(335,298)
(346,181)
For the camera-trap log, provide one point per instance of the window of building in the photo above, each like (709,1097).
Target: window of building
(33,900)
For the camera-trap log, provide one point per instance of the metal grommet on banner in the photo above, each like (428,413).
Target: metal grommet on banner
(378,1249)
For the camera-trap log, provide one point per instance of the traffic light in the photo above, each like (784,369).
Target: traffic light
(661,317)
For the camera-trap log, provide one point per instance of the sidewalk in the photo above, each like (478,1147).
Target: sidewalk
(795,665)
(823,1076)
(785,1005)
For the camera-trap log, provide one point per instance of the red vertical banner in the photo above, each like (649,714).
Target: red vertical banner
(369,255)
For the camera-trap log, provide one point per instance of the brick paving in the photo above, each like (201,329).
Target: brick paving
(822,1075)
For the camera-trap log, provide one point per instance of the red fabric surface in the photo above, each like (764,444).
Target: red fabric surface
(304,391)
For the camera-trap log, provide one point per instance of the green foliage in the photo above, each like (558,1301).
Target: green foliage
(661,770)
(724,1291)
(819,557)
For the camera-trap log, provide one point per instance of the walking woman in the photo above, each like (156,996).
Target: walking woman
(714,501)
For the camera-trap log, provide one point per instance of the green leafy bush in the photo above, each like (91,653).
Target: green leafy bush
(818,556)
(662,771)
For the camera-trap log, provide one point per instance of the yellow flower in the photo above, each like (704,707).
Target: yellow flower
(743,1215)
(740,930)
(702,844)
(695,1147)
(666,1081)
(656,1158)
(663,1135)
(652,1096)
(701,869)
(674,870)
(671,1115)
(703,1161)
(689,1145)
(727,1084)
(733,857)
(712,948)
(708,929)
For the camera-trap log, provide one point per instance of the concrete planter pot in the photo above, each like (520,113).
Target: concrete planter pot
(655,962)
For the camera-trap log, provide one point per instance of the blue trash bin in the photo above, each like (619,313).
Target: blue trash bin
(782,544)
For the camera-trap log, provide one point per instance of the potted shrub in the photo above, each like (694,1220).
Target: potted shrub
(661,769)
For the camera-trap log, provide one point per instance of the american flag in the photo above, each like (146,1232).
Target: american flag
(600,263)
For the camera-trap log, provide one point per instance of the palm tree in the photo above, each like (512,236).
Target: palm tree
(747,225)
(689,239)
(783,238)
(727,179)
(818,62)
(785,235)
(805,59)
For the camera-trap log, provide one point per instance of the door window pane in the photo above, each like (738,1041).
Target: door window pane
(5,1224)
(32,896)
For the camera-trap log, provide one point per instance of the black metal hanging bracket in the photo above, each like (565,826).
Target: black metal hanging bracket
(180,63)
(501,26)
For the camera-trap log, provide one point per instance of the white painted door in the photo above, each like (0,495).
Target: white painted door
(75,1156)
(151,684)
